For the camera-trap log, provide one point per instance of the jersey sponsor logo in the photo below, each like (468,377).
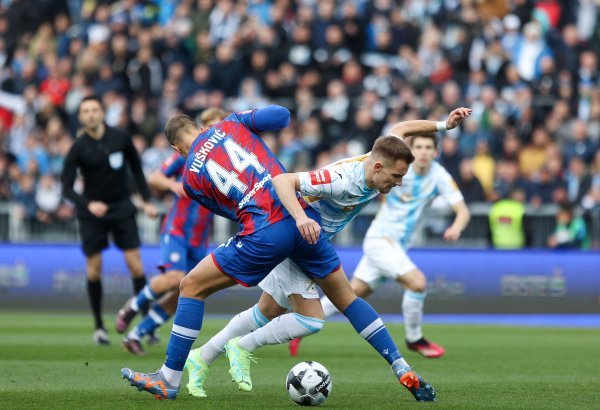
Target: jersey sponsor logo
(259,185)
(320,177)
(207,146)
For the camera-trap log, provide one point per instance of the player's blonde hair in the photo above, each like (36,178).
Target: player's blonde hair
(211,114)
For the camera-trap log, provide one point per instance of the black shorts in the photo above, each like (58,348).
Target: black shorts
(94,234)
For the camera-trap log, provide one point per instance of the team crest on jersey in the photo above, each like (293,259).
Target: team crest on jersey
(320,177)
(116,160)
(175,257)
(311,287)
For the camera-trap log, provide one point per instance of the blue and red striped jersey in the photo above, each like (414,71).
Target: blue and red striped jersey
(229,169)
(186,218)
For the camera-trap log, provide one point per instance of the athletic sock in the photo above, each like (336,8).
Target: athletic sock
(412,310)
(155,318)
(369,325)
(186,328)
(138,284)
(328,307)
(280,330)
(143,299)
(242,324)
(95,294)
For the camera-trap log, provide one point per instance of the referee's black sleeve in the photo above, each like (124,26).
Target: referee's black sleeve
(136,169)
(67,179)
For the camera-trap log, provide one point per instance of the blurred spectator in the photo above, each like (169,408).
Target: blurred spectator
(484,167)
(529,52)
(570,231)
(580,143)
(578,180)
(545,187)
(507,222)
(533,156)
(226,70)
(507,180)
(450,157)
(468,183)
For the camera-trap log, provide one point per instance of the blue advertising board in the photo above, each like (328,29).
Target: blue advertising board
(459,280)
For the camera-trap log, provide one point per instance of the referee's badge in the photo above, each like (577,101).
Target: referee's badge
(115,159)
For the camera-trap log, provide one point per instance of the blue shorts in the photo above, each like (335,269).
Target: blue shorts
(248,259)
(177,254)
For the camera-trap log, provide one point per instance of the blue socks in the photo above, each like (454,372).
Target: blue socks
(186,328)
(368,324)
(156,317)
(143,299)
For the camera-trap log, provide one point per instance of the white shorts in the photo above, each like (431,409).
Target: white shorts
(288,279)
(383,259)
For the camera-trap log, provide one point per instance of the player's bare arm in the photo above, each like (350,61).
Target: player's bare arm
(286,186)
(461,220)
(163,183)
(421,127)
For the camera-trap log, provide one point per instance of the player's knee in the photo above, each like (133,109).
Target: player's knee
(185,287)
(175,278)
(416,282)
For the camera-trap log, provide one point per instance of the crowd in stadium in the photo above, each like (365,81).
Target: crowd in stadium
(347,69)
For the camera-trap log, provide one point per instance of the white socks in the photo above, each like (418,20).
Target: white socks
(412,310)
(328,308)
(242,324)
(173,377)
(280,330)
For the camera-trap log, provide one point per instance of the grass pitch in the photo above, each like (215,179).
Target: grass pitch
(48,361)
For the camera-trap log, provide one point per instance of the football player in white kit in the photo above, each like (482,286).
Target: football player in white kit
(391,233)
(338,191)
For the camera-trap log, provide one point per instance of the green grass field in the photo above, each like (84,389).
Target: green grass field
(48,361)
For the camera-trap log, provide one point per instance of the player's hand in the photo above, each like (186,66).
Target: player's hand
(97,208)
(150,210)
(309,229)
(452,234)
(177,189)
(457,116)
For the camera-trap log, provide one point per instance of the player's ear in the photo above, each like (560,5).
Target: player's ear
(176,148)
(378,166)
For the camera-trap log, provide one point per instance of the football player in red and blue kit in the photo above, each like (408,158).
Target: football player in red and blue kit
(229,170)
(184,239)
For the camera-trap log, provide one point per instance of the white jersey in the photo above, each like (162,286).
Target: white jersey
(338,192)
(403,206)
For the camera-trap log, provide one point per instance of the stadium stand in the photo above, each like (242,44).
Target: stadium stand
(347,69)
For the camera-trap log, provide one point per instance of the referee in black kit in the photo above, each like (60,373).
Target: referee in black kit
(101,153)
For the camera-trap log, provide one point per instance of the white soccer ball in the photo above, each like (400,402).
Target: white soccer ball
(308,383)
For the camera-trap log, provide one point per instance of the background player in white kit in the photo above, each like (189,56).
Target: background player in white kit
(391,233)
(338,192)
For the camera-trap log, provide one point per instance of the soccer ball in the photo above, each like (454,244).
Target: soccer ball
(308,383)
